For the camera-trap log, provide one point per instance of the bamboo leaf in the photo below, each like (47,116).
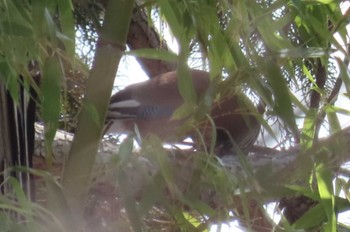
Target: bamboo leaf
(312,52)
(325,187)
(16,20)
(172,16)
(10,79)
(333,119)
(283,104)
(186,86)
(312,218)
(153,54)
(344,74)
(129,202)
(308,132)
(67,25)
(51,29)
(51,99)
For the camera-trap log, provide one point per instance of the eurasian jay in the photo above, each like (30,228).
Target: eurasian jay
(149,105)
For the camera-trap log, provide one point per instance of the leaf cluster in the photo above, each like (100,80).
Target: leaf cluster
(272,49)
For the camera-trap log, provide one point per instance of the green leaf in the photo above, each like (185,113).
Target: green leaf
(186,86)
(67,25)
(51,29)
(129,201)
(192,220)
(38,12)
(308,132)
(15,20)
(324,178)
(172,17)
(10,79)
(322,1)
(344,74)
(153,192)
(300,190)
(333,119)
(156,54)
(57,210)
(312,218)
(283,104)
(312,52)
(20,196)
(51,99)
(124,152)
(155,151)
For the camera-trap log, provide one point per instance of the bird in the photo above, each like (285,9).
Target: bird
(149,106)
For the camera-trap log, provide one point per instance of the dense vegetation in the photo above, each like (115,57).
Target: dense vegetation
(292,54)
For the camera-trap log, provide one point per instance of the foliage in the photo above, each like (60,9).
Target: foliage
(292,54)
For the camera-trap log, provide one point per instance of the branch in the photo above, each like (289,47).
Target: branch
(142,35)
(268,173)
(281,164)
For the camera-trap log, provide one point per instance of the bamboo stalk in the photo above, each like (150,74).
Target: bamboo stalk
(109,50)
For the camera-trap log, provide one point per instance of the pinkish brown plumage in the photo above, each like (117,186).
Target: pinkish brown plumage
(150,104)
